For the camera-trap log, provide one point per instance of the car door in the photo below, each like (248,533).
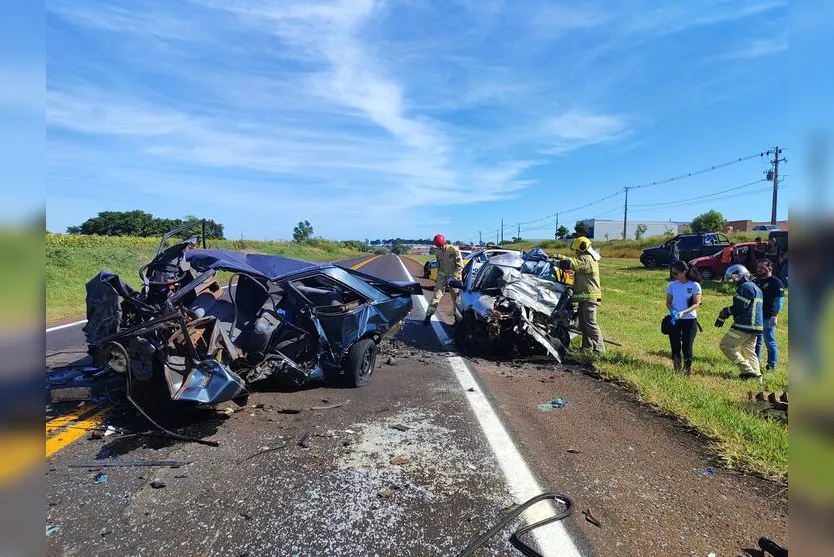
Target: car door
(689,247)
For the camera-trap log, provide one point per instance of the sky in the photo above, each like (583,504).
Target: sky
(405,118)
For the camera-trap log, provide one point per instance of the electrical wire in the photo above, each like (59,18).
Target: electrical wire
(707,196)
(653,183)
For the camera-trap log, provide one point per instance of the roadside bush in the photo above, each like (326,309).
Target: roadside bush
(380,251)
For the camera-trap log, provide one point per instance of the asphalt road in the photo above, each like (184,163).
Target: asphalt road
(475,443)
(362,487)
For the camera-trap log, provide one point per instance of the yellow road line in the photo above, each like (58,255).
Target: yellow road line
(55,424)
(74,432)
(21,454)
(365,262)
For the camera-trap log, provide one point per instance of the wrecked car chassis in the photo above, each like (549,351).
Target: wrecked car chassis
(280,318)
(505,309)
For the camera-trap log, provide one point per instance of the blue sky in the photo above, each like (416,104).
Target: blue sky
(407,117)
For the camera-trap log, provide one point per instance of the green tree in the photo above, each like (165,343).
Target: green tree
(711,221)
(561,232)
(303,231)
(138,223)
(581,228)
(639,231)
(399,248)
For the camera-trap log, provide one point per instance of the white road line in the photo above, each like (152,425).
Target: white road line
(66,326)
(552,539)
(75,323)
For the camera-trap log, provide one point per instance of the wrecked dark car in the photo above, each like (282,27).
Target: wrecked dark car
(514,305)
(280,318)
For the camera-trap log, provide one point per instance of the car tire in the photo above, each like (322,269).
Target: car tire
(706,273)
(650,261)
(426,270)
(471,336)
(360,363)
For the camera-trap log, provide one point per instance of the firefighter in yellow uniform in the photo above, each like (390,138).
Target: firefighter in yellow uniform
(587,291)
(449,266)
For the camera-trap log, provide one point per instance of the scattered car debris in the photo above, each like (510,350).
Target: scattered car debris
(515,539)
(245,516)
(109,430)
(104,531)
(96,434)
(471,389)
(591,518)
(51,529)
(350,432)
(553,404)
(509,308)
(400,427)
(266,450)
(768,404)
(100,478)
(767,545)
(305,441)
(708,471)
(158,484)
(110,463)
(399,461)
(285,318)
(331,406)
(70,394)
(574,451)
(289,410)
(391,361)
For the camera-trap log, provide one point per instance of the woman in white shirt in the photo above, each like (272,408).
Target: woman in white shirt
(683,296)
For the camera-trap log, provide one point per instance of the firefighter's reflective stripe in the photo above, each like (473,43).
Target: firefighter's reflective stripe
(743,298)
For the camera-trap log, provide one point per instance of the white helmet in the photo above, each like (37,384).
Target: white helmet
(737,273)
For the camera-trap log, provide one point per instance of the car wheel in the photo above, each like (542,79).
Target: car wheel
(361,361)
(471,335)
(706,273)
(650,261)
(426,270)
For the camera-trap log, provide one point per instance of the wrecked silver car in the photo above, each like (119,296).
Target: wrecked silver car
(514,305)
(280,318)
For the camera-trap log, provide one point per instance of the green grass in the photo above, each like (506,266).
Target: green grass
(712,399)
(421,259)
(73,260)
(21,262)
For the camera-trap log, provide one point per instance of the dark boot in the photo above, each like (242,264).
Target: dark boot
(687,368)
(676,362)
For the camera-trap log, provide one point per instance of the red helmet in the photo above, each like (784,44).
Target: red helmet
(439,240)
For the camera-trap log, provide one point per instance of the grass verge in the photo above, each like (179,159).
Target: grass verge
(712,399)
(73,260)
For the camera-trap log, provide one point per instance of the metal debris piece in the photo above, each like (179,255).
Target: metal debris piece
(331,406)
(574,451)
(109,463)
(100,478)
(305,441)
(70,394)
(289,410)
(399,461)
(553,404)
(385,493)
(51,529)
(245,516)
(104,531)
(259,405)
(350,431)
(391,361)
(109,431)
(158,484)
(266,450)
(471,389)
(590,518)
(400,427)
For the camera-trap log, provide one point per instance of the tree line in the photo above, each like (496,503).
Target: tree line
(140,223)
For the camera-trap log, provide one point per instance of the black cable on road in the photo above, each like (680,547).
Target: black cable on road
(515,539)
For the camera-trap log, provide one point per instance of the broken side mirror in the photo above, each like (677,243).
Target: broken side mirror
(455,283)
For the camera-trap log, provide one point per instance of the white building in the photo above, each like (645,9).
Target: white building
(613,229)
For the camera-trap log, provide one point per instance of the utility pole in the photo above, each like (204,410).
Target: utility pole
(519,231)
(480,239)
(625,214)
(496,236)
(774,175)
(502,232)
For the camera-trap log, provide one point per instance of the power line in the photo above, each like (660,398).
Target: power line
(707,196)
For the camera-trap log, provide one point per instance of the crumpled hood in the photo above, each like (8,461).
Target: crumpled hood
(538,294)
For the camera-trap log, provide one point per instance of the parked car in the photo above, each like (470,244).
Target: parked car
(765,227)
(503,310)
(283,318)
(690,246)
(711,266)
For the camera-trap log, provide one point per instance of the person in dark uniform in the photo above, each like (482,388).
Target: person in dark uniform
(773,298)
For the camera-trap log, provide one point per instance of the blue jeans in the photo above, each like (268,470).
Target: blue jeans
(768,338)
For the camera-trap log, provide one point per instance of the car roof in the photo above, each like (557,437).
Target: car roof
(270,267)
